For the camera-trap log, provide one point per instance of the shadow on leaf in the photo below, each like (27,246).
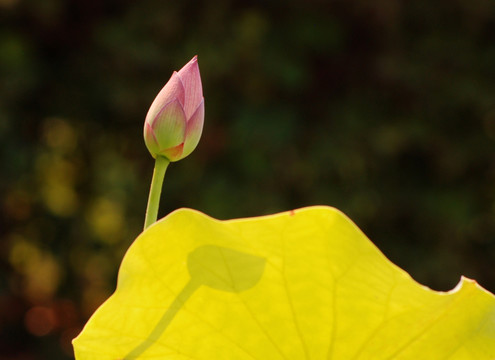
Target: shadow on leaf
(216,267)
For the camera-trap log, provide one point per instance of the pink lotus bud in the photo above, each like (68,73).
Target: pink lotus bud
(175,119)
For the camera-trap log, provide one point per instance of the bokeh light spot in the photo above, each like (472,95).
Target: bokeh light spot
(106,219)
(40,320)
(59,134)
(61,200)
(41,273)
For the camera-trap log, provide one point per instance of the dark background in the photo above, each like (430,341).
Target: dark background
(384,109)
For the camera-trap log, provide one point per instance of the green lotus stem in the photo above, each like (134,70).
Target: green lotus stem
(161,165)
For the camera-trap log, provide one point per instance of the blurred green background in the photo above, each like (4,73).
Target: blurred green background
(384,109)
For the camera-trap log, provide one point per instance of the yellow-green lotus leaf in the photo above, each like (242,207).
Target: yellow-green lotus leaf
(299,285)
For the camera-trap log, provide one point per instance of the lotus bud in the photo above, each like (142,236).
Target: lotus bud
(175,119)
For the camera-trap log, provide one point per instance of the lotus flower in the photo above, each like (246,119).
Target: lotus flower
(175,119)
